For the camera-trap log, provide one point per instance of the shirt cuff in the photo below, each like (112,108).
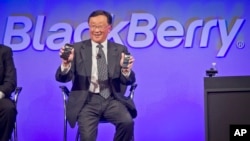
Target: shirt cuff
(65,69)
(125,72)
(1,95)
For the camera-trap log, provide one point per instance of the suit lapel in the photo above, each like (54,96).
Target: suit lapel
(112,53)
(86,55)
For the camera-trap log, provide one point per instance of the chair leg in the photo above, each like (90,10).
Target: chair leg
(65,130)
(15,132)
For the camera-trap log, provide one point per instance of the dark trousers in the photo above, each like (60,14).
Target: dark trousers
(7,118)
(112,110)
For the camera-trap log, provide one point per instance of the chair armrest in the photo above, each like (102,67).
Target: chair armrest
(65,90)
(132,90)
(65,94)
(16,93)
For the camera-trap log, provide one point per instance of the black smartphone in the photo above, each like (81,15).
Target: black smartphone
(66,51)
(126,60)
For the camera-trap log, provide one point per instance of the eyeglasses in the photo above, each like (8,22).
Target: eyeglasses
(100,27)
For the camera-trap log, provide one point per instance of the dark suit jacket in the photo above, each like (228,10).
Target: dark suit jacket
(7,71)
(80,74)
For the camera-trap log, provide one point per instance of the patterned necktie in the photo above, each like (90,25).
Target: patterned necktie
(102,73)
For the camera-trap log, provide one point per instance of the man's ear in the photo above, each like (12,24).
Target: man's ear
(110,28)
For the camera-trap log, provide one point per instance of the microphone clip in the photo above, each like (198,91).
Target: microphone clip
(98,56)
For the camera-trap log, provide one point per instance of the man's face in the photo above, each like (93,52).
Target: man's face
(99,28)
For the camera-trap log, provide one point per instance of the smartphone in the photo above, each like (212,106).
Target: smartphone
(126,60)
(66,51)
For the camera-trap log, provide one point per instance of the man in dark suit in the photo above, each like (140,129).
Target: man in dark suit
(94,96)
(7,86)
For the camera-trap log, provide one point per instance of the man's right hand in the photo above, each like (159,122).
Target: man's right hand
(66,63)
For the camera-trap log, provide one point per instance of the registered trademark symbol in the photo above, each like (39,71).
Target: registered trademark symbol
(240,44)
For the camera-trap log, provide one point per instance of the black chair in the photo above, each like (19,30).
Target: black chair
(14,97)
(65,93)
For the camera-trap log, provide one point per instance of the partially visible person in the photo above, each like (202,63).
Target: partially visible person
(8,82)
